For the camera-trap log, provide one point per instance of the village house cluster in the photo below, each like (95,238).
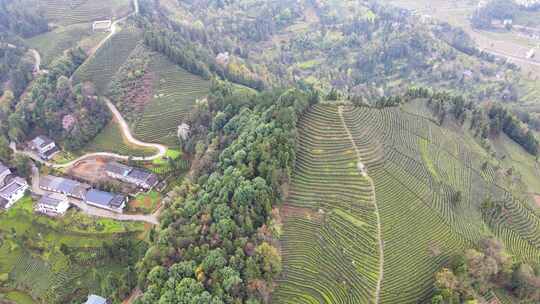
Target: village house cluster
(60,190)
(64,189)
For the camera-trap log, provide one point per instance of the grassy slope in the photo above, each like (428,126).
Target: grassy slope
(175,92)
(32,256)
(417,168)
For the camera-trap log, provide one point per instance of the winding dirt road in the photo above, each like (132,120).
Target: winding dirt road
(127,135)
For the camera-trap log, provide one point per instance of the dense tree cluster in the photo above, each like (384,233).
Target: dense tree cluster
(493,10)
(53,106)
(501,119)
(216,243)
(490,121)
(473,274)
(22,17)
(178,46)
(15,68)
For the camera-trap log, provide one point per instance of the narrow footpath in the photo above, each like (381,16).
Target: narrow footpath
(363,170)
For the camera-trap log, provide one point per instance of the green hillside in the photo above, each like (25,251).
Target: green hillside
(430,187)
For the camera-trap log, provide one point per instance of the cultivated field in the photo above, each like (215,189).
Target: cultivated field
(175,92)
(52,44)
(330,242)
(101,67)
(35,265)
(80,11)
(431,186)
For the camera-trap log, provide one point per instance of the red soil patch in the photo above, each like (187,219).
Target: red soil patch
(537,200)
(290,211)
(92,169)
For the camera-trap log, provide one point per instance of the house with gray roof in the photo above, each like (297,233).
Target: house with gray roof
(106,200)
(12,191)
(140,178)
(44,146)
(53,204)
(64,186)
(93,299)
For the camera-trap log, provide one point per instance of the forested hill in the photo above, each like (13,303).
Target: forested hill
(359,47)
(217,242)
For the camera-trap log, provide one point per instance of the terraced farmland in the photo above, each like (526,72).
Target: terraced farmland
(81,11)
(430,185)
(101,67)
(53,43)
(175,92)
(330,241)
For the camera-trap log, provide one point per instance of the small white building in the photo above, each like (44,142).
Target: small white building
(12,191)
(53,204)
(531,53)
(183,131)
(45,147)
(102,26)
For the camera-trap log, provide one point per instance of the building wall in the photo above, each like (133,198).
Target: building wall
(60,209)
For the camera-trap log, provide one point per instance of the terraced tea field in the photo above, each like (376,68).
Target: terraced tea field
(101,67)
(330,241)
(52,44)
(175,92)
(80,11)
(429,186)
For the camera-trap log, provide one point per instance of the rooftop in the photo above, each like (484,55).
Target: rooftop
(13,186)
(41,141)
(118,168)
(63,185)
(51,200)
(105,199)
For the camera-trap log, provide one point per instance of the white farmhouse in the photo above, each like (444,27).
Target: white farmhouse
(53,204)
(183,131)
(12,191)
(105,200)
(45,147)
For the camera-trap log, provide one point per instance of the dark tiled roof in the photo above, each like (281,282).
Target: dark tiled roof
(51,152)
(118,168)
(64,185)
(99,197)
(118,200)
(143,176)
